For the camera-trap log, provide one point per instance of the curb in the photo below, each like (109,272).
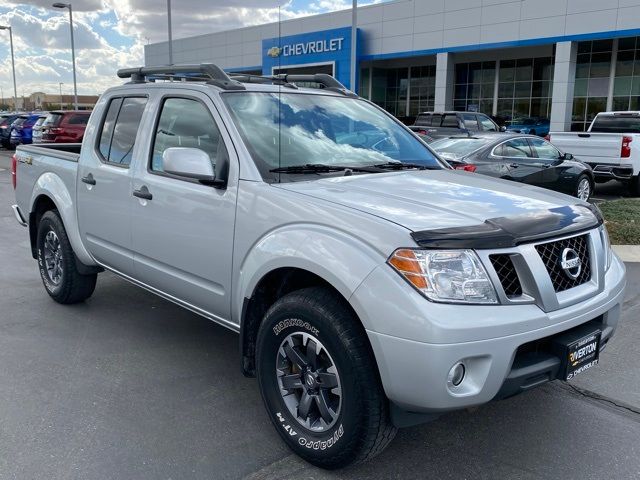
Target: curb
(627,253)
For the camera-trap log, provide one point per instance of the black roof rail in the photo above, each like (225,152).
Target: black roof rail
(249,78)
(327,81)
(216,76)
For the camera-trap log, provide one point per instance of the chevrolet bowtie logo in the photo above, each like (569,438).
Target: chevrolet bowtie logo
(274,52)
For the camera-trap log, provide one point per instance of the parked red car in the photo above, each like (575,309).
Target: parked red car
(65,126)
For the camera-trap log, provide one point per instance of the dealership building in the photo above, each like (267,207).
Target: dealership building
(564,60)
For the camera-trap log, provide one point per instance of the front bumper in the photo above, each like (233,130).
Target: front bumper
(414,371)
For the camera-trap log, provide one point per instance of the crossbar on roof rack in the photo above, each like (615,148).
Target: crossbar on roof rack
(216,76)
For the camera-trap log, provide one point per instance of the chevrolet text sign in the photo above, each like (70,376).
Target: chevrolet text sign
(320,46)
(318,50)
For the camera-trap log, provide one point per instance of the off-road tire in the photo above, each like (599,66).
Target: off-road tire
(71,287)
(362,427)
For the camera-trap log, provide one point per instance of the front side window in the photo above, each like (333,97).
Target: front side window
(518,148)
(544,149)
(185,122)
(120,129)
(296,129)
(487,124)
(470,121)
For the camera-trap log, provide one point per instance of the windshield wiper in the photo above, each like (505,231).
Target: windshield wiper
(403,166)
(323,168)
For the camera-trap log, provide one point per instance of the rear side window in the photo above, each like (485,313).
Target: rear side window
(423,120)
(53,120)
(450,121)
(616,124)
(120,128)
(516,148)
(78,119)
(185,122)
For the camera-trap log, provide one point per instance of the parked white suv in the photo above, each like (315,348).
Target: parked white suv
(372,285)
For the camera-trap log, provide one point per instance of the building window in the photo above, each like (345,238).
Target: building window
(524,88)
(389,89)
(475,83)
(422,89)
(593,70)
(365,82)
(626,87)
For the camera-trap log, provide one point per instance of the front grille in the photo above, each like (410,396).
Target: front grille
(551,253)
(507,274)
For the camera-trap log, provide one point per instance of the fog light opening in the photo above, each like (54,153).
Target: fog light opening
(456,374)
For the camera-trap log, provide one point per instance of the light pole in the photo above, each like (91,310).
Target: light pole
(60,85)
(73,51)
(13,66)
(170,35)
(354,32)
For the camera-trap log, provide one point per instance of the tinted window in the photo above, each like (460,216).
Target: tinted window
(78,119)
(487,124)
(450,121)
(39,122)
(617,124)
(423,120)
(436,120)
(118,137)
(518,147)
(186,123)
(470,121)
(544,149)
(18,121)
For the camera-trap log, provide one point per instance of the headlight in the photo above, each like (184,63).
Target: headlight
(606,244)
(451,276)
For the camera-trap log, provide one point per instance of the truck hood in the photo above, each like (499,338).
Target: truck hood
(433,199)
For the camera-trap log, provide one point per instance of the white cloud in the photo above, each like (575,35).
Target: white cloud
(110,34)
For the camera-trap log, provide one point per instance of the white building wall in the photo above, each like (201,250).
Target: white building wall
(417,25)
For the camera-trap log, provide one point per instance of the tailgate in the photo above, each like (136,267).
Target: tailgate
(590,146)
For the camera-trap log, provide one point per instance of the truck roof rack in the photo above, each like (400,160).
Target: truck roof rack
(213,74)
(327,81)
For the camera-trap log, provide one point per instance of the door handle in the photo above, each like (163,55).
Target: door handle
(143,193)
(514,165)
(89,180)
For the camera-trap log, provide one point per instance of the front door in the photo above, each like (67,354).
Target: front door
(183,231)
(104,184)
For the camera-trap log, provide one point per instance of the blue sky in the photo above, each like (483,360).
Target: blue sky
(110,34)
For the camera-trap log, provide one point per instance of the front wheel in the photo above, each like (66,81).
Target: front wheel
(56,261)
(584,187)
(319,380)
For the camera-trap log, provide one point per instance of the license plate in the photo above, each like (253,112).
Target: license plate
(581,355)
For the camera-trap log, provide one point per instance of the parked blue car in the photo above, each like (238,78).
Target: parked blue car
(22,129)
(6,120)
(529,125)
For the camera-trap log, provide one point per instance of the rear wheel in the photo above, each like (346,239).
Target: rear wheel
(634,186)
(319,380)
(56,261)
(584,187)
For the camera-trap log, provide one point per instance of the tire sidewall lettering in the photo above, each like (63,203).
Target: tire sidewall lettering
(294,322)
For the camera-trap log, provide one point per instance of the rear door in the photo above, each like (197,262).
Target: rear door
(104,183)
(551,165)
(183,233)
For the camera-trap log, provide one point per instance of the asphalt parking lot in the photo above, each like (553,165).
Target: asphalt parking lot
(128,386)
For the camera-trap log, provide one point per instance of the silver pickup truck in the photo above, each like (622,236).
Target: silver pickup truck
(373,287)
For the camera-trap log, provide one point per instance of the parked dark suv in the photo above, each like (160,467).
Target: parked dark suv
(434,125)
(5,128)
(65,127)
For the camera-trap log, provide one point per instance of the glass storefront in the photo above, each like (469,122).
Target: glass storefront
(626,89)
(593,69)
(474,88)
(525,87)
(404,92)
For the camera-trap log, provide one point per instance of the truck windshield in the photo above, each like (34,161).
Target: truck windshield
(295,129)
(629,123)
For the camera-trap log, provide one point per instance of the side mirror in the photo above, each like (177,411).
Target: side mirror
(190,163)
(503,128)
(567,156)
